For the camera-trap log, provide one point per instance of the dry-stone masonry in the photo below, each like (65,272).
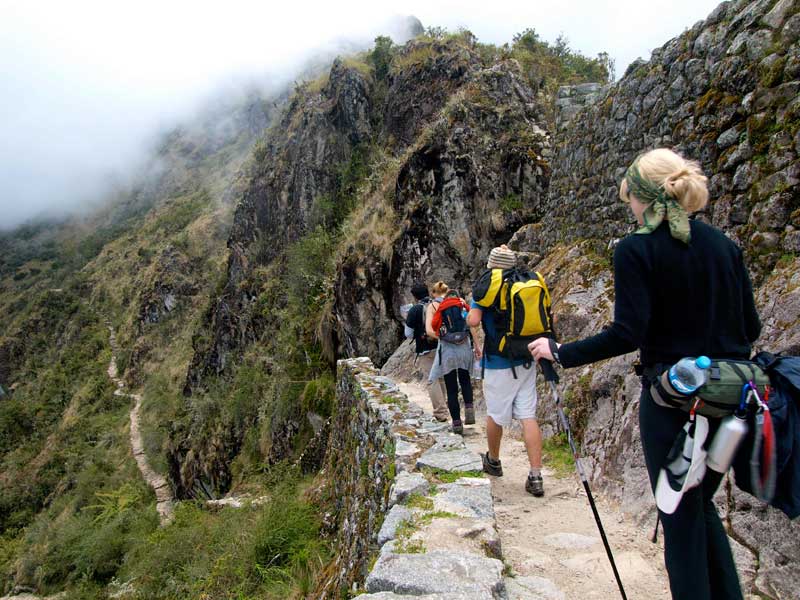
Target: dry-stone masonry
(413,513)
(727,93)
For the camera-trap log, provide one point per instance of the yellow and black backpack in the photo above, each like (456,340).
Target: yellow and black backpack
(522,306)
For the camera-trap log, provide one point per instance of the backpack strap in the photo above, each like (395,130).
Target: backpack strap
(483,358)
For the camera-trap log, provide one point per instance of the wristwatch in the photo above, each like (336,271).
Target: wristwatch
(554,350)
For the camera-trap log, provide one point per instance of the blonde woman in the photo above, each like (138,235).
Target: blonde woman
(681,289)
(453,361)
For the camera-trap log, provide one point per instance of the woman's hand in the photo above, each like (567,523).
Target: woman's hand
(540,348)
(478,352)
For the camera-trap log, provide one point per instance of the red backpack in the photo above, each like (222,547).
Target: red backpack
(449,322)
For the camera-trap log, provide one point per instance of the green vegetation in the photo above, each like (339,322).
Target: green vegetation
(381,56)
(73,506)
(558,456)
(403,542)
(271,551)
(786,260)
(441,476)
(427,517)
(510,203)
(548,65)
(578,405)
(419,501)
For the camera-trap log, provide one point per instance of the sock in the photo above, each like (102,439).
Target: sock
(535,472)
(494,461)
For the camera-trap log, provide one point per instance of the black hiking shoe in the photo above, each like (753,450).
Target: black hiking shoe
(458,427)
(469,415)
(491,467)
(534,485)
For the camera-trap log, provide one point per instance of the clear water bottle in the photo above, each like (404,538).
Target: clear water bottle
(476,369)
(688,374)
(730,434)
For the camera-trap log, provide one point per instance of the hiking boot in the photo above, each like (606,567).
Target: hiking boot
(491,467)
(469,415)
(534,485)
(458,427)
(441,418)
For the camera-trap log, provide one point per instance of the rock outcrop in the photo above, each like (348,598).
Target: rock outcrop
(296,168)
(477,173)
(462,164)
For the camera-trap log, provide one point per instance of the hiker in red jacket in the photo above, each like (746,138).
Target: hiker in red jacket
(454,356)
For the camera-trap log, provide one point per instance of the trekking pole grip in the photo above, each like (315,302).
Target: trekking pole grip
(548,370)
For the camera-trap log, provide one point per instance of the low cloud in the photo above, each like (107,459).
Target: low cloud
(87,85)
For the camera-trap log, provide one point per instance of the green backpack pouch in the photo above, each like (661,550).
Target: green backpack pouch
(722,393)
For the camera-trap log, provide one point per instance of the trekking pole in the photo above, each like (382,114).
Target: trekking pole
(551,377)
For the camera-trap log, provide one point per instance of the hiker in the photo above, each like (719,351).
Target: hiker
(425,347)
(509,386)
(681,290)
(454,356)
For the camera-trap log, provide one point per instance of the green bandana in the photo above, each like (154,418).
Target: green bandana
(659,205)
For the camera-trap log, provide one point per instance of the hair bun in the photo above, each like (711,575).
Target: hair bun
(682,179)
(684,172)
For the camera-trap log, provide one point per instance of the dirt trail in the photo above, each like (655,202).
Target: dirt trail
(555,538)
(165,504)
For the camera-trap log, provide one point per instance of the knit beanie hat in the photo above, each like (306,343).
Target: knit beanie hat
(502,258)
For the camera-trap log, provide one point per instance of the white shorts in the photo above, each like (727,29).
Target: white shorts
(508,398)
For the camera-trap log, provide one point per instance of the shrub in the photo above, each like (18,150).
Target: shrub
(550,65)
(381,57)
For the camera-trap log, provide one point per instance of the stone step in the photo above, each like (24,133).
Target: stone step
(437,572)
(532,588)
(450,460)
(445,596)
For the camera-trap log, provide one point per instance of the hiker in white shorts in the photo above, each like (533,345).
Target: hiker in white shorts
(507,397)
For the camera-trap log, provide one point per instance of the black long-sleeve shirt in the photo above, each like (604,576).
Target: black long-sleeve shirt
(673,300)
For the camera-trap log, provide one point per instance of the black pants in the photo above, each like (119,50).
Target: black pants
(696,549)
(451,383)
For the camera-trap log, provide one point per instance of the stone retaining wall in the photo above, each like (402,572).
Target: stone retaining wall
(727,93)
(412,510)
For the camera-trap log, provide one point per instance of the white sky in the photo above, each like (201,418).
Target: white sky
(84,83)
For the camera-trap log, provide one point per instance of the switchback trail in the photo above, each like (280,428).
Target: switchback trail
(165,504)
(552,543)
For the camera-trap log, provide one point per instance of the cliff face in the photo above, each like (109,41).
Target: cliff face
(457,164)
(474,175)
(413,174)
(295,169)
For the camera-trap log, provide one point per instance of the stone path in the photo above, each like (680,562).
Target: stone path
(439,539)
(552,544)
(165,503)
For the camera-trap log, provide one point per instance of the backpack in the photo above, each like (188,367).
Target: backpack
(784,407)
(523,306)
(449,321)
(416,321)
